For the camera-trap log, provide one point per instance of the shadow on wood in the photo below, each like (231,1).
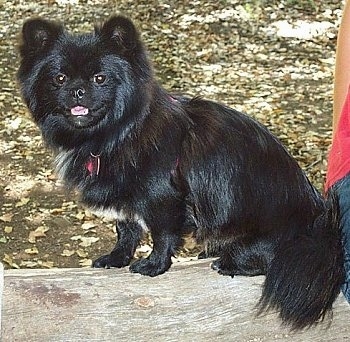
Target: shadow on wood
(188,303)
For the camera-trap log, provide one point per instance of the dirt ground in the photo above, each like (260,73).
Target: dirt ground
(271,59)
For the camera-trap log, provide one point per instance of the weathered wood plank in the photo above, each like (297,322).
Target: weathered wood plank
(1,290)
(188,303)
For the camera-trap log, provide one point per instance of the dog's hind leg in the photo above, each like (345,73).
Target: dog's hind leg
(245,256)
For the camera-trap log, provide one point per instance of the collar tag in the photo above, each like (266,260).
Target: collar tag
(93,164)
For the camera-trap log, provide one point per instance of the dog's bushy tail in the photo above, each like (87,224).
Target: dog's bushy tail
(307,272)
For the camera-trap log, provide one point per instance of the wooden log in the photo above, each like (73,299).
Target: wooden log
(188,303)
(1,290)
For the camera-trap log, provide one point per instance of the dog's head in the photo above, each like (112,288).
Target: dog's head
(81,82)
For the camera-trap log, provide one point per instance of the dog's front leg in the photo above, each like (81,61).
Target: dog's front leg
(165,228)
(159,261)
(129,235)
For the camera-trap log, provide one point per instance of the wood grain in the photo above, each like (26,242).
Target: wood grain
(188,303)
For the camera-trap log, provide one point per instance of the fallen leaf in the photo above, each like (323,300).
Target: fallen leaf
(32,250)
(67,253)
(88,214)
(14,124)
(85,262)
(37,233)
(8,259)
(80,216)
(46,264)
(69,205)
(6,217)
(8,229)
(41,229)
(88,225)
(28,264)
(32,237)
(56,211)
(81,253)
(23,201)
(88,241)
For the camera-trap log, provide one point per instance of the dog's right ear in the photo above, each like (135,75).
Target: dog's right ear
(38,35)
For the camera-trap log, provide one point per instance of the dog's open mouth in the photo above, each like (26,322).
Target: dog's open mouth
(79,110)
(81,117)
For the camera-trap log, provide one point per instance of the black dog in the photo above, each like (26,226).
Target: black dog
(176,165)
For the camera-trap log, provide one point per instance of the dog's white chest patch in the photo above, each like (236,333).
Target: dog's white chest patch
(119,215)
(61,163)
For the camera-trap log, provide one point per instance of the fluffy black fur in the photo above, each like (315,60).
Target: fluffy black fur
(176,165)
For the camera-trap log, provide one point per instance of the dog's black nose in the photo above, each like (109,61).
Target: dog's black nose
(78,93)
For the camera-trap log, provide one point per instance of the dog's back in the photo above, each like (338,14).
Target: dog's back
(255,206)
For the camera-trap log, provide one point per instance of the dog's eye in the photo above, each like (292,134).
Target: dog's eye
(60,79)
(100,78)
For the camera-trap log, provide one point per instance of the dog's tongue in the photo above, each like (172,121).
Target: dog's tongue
(79,110)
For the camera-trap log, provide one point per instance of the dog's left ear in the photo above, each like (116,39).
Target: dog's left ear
(121,32)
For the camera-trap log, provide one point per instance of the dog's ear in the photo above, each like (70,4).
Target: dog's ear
(121,32)
(38,35)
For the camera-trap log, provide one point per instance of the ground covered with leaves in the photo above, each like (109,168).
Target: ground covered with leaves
(271,59)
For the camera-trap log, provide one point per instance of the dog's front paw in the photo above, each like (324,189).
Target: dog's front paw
(222,269)
(149,267)
(111,260)
(103,261)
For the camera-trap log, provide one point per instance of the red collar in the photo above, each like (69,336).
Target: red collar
(93,164)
